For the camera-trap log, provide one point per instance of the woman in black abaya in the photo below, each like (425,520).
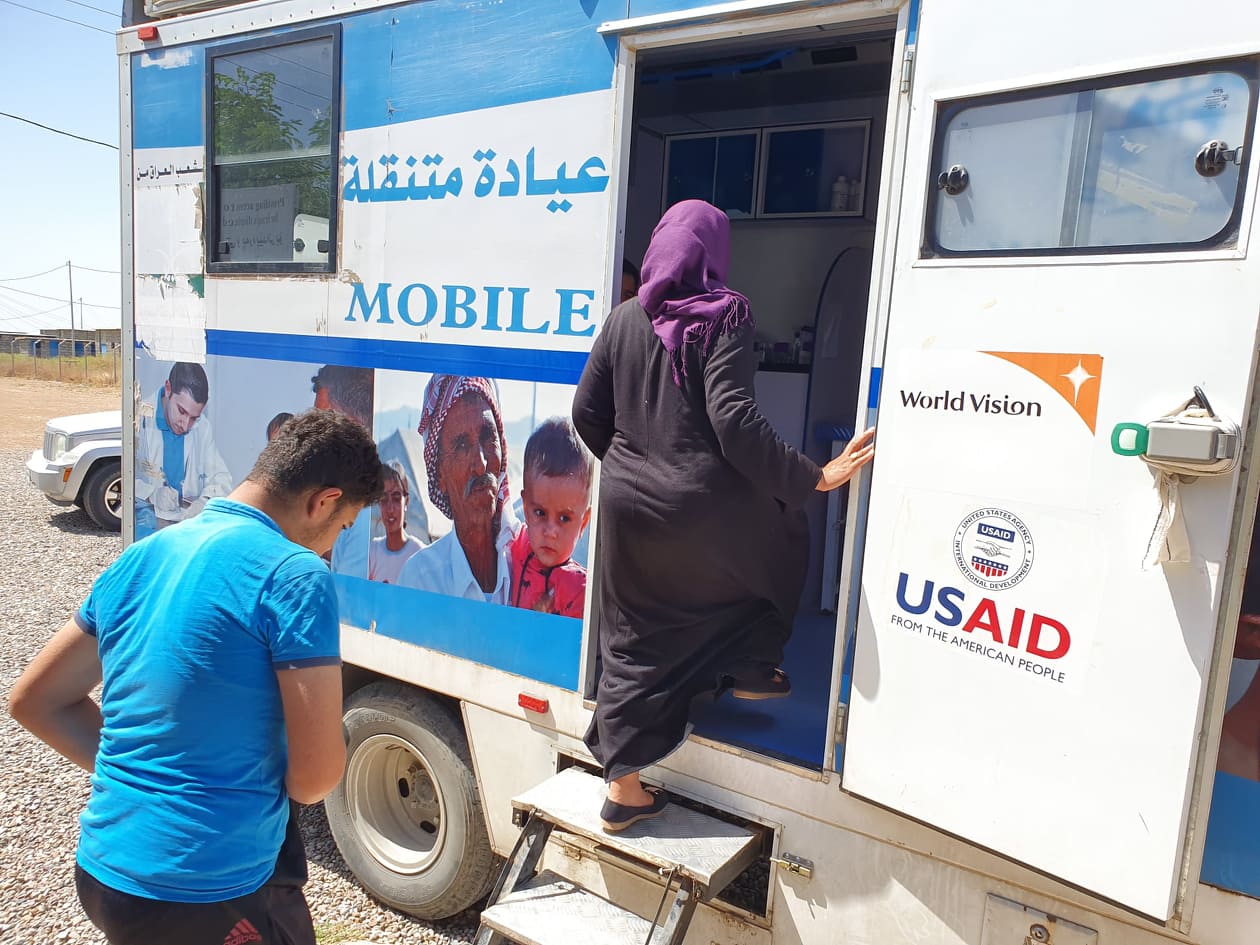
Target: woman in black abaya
(703,540)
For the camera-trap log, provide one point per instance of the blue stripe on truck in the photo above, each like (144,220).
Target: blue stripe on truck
(509,364)
(545,647)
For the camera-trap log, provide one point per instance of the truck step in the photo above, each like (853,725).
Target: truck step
(708,851)
(548,910)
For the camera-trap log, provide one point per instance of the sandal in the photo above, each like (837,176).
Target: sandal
(774,685)
(616,817)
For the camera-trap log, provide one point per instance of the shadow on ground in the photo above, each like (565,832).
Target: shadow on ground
(74,521)
(321,850)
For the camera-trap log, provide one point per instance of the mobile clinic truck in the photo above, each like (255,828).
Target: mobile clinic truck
(1017,234)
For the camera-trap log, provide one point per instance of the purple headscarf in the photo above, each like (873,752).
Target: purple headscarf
(684,281)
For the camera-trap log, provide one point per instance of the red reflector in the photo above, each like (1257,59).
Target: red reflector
(533,703)
(147,33)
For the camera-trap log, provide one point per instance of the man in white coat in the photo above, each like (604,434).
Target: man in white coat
(178,466)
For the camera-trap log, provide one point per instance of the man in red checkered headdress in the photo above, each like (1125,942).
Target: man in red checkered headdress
(465,457)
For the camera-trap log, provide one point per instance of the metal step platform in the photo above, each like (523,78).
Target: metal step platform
(696,856)
(547,910)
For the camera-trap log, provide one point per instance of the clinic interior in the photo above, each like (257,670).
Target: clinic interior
(785,133)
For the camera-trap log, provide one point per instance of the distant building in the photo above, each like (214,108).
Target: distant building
(52,342)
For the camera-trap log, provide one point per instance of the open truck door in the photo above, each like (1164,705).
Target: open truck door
(1036,633)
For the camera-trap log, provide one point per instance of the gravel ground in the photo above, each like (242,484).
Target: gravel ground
(48,558)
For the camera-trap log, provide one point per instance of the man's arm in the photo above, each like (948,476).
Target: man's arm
(51,698)
(312,723)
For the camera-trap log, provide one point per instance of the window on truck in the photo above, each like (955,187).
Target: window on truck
(1128,163)
(273,108)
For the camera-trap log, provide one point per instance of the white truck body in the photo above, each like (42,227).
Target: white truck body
(1008,726)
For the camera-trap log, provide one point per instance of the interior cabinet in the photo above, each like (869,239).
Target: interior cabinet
(814,170)
(805,170)
(719,168)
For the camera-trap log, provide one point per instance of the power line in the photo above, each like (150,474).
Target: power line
(42,312)
(79,3)
(33,275)
(53,298)
(108,272)
(56,17)
(41,318)
(25,318)
(326,76)
(104,144)
(300,88)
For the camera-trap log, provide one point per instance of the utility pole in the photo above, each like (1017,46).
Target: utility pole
(85,350)
(60,353)
(70,276)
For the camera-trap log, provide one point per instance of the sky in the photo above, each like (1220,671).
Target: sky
(59,197)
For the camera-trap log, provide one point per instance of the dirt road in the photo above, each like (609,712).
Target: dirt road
(26,405)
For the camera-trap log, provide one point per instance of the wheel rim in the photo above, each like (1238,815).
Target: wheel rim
(113,497)
(396,805)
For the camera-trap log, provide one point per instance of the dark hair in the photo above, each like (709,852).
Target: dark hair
(276,423)
(321,449)
(186,376)
(555,450)
(349,389)
(630,269)
(394,470)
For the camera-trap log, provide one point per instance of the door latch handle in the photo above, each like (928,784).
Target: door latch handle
(794,864)
(1186,438)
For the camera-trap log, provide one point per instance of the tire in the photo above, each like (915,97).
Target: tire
(102,495)
(407,815)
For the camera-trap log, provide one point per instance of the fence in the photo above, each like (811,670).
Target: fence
(76,359)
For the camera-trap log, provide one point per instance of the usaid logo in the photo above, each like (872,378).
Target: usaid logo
(993,549)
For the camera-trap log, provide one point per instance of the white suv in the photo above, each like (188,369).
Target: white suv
(80,462)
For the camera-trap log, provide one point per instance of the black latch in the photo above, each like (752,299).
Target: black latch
(953,181)
(1214,156)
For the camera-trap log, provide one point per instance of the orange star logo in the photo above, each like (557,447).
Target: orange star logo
(1077,378)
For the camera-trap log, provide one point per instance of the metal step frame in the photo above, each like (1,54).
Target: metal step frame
(694,854)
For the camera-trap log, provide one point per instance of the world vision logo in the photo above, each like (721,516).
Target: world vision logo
(1077,378)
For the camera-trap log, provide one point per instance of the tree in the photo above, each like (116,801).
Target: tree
(249,121)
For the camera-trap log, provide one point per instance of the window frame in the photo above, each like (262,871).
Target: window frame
(1246,67)
(763,169)
(330,32)
(754,132)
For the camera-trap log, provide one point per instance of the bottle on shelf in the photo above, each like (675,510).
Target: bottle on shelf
(840,193)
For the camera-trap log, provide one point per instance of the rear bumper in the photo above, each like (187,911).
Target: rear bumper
(55,481)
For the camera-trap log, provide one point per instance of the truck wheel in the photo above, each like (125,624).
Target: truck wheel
(407,816)
(102,495)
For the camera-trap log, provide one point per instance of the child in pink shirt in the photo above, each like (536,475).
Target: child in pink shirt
(556,498)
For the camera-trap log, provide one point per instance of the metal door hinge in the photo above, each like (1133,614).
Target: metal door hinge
(907,70)
(794,864)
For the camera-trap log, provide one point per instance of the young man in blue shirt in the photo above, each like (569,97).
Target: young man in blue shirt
(217,644)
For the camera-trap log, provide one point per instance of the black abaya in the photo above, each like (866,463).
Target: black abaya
(703,541)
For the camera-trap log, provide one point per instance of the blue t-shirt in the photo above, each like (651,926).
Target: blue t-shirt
(188,800)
